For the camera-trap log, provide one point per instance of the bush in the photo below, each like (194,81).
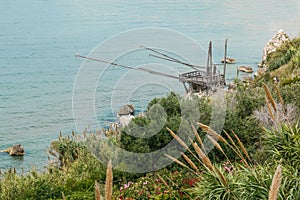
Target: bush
(284,145)
(287,52)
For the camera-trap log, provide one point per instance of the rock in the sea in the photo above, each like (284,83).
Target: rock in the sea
(16,150)
(126,110)
(229,60)
(245,69)
(277,40)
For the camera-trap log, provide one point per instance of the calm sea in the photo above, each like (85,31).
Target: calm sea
(39,38)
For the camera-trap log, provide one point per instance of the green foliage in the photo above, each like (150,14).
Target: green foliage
(174,107)
(242,184)
(291,94)
(241,105)
(287,52)
(284,145)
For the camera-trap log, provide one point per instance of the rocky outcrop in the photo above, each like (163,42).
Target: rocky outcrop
(126,114)
(126,110)
(277,40)
(16,150)
(125,120)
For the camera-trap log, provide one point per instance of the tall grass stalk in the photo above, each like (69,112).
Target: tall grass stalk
(269,96)
(276,182)
(97,191)
(109,181)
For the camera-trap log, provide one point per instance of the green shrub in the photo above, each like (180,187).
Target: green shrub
(284,145)
(287,52)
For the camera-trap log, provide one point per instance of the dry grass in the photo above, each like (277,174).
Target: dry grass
(276,182)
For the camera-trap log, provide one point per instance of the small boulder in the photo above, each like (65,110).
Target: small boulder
(229,60)
(245,69)
(15,150)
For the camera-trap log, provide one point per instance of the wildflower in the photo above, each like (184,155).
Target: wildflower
(127,185)
(145,183)
(227,167)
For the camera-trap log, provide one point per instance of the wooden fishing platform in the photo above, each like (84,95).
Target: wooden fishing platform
(198,80)
(210,79)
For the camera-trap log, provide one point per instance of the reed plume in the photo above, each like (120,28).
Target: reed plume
(269,109)
(63,196)
(269,96)
(242,146)
(203,157)
(190,162)
(97,191)
(178,162)
(109,181)
(162,180)
(212,133)
(218,146)
(276,181)
(234,147)
(180,141)
(198,138)
(279,94)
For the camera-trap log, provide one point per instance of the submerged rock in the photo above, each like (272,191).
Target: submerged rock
(15,150)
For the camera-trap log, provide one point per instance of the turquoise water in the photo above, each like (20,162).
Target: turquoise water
(39,38)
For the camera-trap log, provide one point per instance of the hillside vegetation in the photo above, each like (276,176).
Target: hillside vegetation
(256,156)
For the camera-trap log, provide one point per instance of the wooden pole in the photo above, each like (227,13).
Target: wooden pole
(225,56)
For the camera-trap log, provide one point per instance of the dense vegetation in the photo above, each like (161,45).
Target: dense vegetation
(256,156)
